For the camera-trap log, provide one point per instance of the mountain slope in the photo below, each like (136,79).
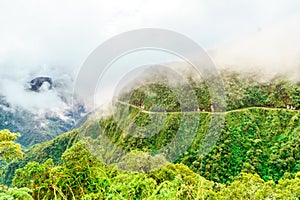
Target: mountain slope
(260,135)
(35,128)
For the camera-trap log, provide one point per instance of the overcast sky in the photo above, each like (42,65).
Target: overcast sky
(63,33)
(43,35)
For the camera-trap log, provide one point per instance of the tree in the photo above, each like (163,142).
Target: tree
(15,193)
(37,177)
(9,150)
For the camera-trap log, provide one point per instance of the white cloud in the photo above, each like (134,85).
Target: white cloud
(275,49)
(61,34)
(64,32)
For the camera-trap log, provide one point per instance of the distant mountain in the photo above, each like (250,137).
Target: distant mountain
(34,126)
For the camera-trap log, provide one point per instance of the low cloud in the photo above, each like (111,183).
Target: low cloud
(14,86)
(270,51)
(44,39)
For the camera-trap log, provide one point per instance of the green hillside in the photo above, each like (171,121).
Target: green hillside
(256,156)
(261,140)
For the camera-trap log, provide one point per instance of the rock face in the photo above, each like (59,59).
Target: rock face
(37,83)
(35,128)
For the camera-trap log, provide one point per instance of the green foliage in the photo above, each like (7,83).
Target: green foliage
(32,129)
(138,161)
(183,183)
(35,177)
(132,186)
(78,175)
(15,193)
(240,91)
(40,153)
(247,91)
(256,156)
(259,136)
(248,186)
(251,186)
(288,188)
(9,150)
(253,141)
(82,177)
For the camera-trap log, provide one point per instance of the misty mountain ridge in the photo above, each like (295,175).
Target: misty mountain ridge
(43,111)
(39,123)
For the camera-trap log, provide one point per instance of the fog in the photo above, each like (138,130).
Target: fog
(269,52)
(54,38)
(15,87)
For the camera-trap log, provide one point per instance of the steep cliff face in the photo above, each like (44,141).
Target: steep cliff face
(39,83)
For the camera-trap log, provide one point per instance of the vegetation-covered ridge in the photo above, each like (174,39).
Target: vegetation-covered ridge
(256,156)
(270,149)
(81,176)
(261,140)
(239,92)
(40,153)
(198,111)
